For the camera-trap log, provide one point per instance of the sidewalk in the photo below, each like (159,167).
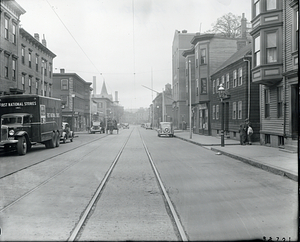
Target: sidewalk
(264,157)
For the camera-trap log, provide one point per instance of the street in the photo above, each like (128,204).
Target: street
(44,194)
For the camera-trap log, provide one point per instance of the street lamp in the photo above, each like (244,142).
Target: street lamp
(221,92)
(73,122)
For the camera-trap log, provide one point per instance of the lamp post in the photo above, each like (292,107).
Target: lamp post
(221,92)
(73,122)
(190,98)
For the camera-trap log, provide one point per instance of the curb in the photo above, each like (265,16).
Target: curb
(249,161)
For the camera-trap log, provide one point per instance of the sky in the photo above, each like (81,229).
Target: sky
(126,43)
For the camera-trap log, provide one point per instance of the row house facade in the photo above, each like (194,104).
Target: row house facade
(275,68)
(241,99)
(210,51)
(162,105)
(10,12)
(75,94)
(181,42)
(35,65)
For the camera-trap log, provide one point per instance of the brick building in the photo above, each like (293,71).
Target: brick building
(35,65)
(75,95)
(9,43)
(181,42)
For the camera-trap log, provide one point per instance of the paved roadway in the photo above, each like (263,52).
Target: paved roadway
(216,197)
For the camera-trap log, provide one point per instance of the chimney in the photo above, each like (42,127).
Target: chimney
(184,31)
(94,85)
(116,96)
(243,40)
(37,36)
(62,71)
(244,27)
(44,41)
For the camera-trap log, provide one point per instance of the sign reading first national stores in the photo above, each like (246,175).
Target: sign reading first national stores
(17,104)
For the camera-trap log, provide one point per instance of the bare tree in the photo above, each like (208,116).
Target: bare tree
(228,25)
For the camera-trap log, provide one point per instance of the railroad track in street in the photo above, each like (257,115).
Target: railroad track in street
(87,212)
(49,158)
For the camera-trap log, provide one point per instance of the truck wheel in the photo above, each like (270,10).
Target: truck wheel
(52,142)
(57,139)
(22,146)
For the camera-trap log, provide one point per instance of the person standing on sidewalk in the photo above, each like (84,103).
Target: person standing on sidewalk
(249,133)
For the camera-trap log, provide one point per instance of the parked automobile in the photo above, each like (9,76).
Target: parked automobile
(148,126)
(165,128)
(96,128)
(66,133)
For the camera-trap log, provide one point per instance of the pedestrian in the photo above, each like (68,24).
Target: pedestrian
(249,133)
(243,134)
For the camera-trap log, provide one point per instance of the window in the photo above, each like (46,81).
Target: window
(14,73)
(197,90)
(29,59)
(23,82)
(256,7)
(196,54)
(217,112)
(203,56)
(23,55)
(6,61)
(45,70)
(271,48)
(223,81)
(271,4)
(227,81)
(240,110)
(64,84)
(257,51)
(30,84)
(203,86)
(295,30)
(50,69)
(37,86)
(6,28)
(50,90)
(214,112)
(234,79)
(36,63)
(217,85)
(279,101)
(267,103)
(214,86)
(14,33)
(240,81)
(234,110)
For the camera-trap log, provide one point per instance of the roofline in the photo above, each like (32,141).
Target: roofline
(71,74)
(23,32)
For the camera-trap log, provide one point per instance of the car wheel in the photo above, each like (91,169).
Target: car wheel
(57,139)
(22,145)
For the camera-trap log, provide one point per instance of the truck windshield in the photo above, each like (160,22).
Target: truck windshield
(12,120)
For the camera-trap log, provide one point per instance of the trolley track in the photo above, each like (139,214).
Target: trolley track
(88,211)
(75,234)
(50,157)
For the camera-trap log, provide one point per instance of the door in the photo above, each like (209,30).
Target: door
(294,109)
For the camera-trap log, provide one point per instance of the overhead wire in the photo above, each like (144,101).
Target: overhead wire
(73,38)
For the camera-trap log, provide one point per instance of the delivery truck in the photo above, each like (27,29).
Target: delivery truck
(28,119)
